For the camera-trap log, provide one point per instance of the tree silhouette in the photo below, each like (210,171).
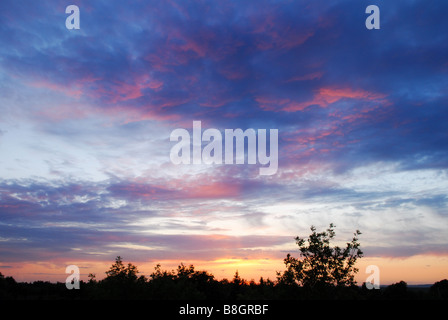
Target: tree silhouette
(119,271)
(439,290)
(321,265)
(397,291)
(122,281)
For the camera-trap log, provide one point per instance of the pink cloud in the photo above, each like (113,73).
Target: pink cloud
(211,190)
(285,39)
(71,91)
(327,96)
(202,186)
(323,98)
(270,33)
(185,187)
(130,89)
(216,101)
(74,89)
(233,73)
(271,104)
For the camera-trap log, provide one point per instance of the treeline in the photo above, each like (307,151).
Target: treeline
(321,272)
(123,282)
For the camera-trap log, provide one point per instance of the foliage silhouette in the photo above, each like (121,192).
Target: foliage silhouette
(396,291)
(322,269)
(323,272)
(122,281)
(185,283)
(439,290)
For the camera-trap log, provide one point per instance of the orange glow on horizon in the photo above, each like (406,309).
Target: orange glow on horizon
(423,269)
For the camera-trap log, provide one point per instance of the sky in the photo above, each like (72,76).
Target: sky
(86,116)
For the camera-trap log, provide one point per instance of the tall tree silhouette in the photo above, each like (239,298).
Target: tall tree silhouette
(118,271)
(322,265)
(122,281)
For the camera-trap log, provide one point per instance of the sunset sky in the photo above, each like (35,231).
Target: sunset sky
(86,117)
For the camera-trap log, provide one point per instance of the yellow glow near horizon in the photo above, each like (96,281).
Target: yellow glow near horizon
(424,269)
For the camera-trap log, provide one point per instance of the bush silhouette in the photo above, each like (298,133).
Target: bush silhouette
(321,266)
(439,290)
(122,282)
(397,291)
